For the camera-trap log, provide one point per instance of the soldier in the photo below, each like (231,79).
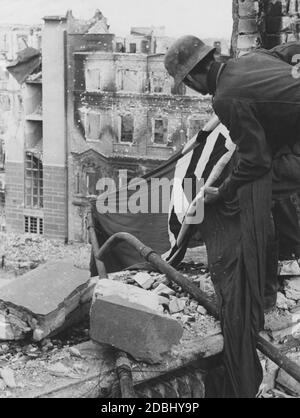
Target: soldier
(257,97)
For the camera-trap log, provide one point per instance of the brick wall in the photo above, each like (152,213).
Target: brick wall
(264,23)
(14,204)
(55,202)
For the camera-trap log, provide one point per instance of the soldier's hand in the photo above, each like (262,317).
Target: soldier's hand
(211,194)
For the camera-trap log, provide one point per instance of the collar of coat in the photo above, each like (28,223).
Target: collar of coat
(213,75)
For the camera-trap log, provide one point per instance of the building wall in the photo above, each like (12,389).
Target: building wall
(54,129)
(14,204)
(99,103)
(72,120)
(265,23)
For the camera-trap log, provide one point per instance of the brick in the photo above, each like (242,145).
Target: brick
(176,305)
(247,26)
(247,41)
(144,280)
(128,318)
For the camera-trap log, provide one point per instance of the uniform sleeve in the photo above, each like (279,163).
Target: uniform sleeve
(289,52)
(254,155)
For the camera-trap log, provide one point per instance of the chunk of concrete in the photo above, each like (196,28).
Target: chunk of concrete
(144,280)
(177,305)
(287,382)
(289,268)
(292,288)
(133,294)
(44,300)
(162,289)
(122,320)
(283,302)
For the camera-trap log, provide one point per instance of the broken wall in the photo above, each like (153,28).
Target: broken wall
(264,23)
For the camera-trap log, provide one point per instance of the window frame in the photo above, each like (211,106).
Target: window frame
(36,189)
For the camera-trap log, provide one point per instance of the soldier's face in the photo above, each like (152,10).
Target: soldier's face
(197,81)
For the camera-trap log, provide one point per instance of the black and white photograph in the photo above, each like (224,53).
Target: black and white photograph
(150,202)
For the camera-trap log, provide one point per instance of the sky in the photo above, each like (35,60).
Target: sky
(203,18)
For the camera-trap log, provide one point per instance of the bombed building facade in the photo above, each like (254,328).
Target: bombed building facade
(13,38)
(102,103)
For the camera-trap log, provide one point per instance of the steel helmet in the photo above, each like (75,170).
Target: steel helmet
(184,55)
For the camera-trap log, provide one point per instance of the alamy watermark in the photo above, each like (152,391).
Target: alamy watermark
(152,196)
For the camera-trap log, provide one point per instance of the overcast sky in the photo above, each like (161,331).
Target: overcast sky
(206,18)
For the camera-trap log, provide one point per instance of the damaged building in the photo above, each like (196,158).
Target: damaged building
(101,103)
(13,38)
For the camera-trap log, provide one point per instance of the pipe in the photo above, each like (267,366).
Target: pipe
(123,368)
(153,258)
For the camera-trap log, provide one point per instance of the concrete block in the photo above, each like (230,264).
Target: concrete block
(247,26)
(144,280)
(163,289)
(123,321)
(288,268)
(133,294)
(292,288)
(177,305)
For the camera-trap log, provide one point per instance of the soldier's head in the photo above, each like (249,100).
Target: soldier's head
(188,61)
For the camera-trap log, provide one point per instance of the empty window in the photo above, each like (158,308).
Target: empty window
(91,182)
(160,131)
(120,47)
(126,129)
(145,47)
(93,128)
(34,225)
(132,48)
(157,84)
(128,80)
(33,181)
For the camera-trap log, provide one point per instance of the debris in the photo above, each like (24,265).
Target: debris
(144,280)
(163,300)
(60,370)
(132,294)
(283,302)
(75,352)
(162,289)
(44,300)
(177,305)
(286,382)
(124,319)
(292,288)
(288,268)
(201,310)
(8,377)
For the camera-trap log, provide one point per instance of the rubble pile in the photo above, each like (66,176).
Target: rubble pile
(282,328)
(175,303)
(21,253)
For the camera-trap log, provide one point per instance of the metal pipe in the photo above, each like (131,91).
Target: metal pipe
(123,369)
(153,258)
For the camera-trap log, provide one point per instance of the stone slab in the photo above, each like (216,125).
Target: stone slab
(41,290)
(133,328)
